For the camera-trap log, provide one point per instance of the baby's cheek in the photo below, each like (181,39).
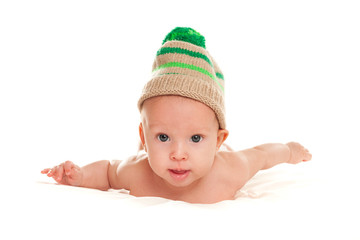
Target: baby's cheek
(205,160)
(157,160)
(155,166)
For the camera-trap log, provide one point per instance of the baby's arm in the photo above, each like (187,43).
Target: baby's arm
(94,175)
(268,155)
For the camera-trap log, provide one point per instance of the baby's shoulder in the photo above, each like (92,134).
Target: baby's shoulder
(134,163)
(231,158)
(129,170)
(232,166)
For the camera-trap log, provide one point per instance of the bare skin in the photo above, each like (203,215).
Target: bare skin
(182,161)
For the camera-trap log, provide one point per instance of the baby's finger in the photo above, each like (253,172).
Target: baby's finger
(55,173)
(45,171)
(307,157)
(51,172)
(59,173)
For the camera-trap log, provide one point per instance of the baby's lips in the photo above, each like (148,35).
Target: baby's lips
(179,171)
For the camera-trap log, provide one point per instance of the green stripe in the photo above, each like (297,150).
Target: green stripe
(171,73)
(191,67)
(219,75)
(166,50)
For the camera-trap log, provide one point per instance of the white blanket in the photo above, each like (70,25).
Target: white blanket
(286,202)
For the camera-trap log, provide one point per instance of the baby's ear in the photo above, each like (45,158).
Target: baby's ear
(142,137)
(221,137)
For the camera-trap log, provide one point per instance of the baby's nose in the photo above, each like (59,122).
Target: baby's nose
(179,153)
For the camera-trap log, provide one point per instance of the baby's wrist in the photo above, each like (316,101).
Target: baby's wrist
(82,177)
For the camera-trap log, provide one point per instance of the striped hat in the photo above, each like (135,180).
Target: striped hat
(184,67)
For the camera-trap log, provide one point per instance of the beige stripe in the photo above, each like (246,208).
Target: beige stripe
(216,67)
(187,46)
(183,58)
(185,71)
(221,82)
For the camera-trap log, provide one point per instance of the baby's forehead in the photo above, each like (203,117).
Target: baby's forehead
(174,99)
(174,108)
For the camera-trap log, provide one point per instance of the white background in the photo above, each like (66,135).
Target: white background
(71,73)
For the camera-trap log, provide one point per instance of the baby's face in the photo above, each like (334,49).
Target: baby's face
(181,137)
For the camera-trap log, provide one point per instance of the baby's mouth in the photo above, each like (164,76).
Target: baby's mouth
(179,174)
(178,171)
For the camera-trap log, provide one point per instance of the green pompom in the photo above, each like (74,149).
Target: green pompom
(186,35)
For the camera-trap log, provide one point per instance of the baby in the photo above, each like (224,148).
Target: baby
(182,130)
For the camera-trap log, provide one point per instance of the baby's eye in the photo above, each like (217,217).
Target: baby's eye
(196,138)
(163,137)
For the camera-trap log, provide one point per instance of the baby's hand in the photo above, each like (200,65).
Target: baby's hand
(298,153)
(66,173)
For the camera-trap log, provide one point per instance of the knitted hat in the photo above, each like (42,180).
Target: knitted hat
(183,67)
